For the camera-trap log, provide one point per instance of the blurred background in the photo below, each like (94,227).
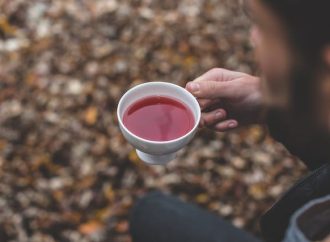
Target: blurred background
(66,173)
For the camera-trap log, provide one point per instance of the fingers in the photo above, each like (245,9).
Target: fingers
(212,89)
(216,120)
(206,103)
(211,118)
(219,75)
(226,125)
(216,83)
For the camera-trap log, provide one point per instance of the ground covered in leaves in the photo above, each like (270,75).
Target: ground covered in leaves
(66,173)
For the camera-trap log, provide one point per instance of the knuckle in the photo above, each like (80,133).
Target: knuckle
(215,70)
(218,69)
(211,87)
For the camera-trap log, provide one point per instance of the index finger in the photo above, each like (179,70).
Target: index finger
(219,75)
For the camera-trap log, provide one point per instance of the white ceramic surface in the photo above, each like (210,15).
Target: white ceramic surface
(157,152)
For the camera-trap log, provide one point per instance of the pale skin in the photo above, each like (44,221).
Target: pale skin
(230,99)
(227,98)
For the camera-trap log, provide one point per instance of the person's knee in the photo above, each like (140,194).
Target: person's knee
(145,203)
(142,212)
(146,214)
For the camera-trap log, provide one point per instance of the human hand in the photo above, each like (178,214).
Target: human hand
(228,99)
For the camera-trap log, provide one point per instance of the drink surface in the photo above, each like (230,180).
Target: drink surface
(159,118)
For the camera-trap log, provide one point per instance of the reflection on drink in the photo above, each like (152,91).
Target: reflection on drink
(159,118)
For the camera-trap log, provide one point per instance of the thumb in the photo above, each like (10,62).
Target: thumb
(211,89)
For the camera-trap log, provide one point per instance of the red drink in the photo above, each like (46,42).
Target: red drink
(159,118)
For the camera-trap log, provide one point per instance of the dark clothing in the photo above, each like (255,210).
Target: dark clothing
(158,218)
(313,147)
(275,222)
(161,218)
(311,222)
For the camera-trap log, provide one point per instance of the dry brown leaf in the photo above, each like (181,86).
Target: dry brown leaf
(31,79)
(58,195)
(104,213)
(109,192)
(86,182)
(122,227)
(6,27)
(90,115)
(257,191)
(42,159)
(202,198)
(3,144)
(73,217)
(90,227)
(134,158)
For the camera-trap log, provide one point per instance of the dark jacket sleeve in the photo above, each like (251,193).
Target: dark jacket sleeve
(309,145)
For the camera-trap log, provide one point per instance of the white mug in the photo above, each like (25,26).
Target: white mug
(157,152)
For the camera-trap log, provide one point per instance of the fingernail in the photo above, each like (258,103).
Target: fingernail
(194,87)
(232,125)
(218,115)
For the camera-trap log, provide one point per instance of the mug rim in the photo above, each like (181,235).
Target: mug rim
(197,121)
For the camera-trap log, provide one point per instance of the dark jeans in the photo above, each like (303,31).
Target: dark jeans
(162,218)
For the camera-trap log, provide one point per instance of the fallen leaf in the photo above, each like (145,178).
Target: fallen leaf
(109,192)
(6,27)
(257,191)
(90,227)
(90,115)
(122,227)
(202,198)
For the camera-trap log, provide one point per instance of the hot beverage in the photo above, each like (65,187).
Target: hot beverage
(159,118)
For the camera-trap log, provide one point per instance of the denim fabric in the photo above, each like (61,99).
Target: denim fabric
(162,218)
